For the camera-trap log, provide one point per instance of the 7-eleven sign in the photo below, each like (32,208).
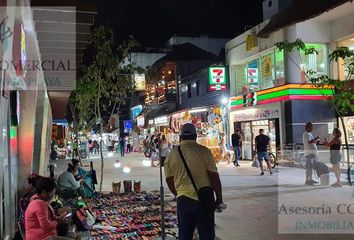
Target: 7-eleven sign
(217,75)
(217,78)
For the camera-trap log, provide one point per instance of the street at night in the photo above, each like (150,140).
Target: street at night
(189,120)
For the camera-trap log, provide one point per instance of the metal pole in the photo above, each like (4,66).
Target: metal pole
(162,204)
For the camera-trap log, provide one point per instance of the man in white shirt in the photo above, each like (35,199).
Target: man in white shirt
(310,151)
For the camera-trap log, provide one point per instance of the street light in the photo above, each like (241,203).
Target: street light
(224,100)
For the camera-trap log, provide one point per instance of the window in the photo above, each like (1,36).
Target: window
(197,87)
(263,72)
(189,90)
(315,62)
(343,74)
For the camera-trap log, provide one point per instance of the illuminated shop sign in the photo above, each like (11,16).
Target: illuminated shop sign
(282,93)
(217,78)
(140,121)
(139,80)
(135,111)
(161,120)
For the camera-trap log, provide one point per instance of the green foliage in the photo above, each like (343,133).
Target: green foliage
(298,45)
(343,97)
(105,83)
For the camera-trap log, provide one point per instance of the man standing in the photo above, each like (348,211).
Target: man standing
(203,169)
(122,146)
(262,142)
(236,140)
(310,151)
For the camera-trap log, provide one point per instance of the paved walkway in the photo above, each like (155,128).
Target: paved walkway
(252,200)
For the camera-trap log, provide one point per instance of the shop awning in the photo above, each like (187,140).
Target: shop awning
(63,122)
(299,11)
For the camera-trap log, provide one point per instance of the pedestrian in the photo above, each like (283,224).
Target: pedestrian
(122,146)
(146,146)
(96,147)
(192,213)
(164,149)
(75,148)
(91,146)
(222,147)
(236,141)
(152,147)
(262,142)
(129,146)
(335,154)
(310,151)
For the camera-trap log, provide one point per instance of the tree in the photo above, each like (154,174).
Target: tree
(107,80)
(343,97)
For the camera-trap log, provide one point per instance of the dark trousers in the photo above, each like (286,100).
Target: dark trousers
(122,148)
(191,216)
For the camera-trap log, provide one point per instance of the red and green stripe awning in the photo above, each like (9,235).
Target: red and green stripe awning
(283,93)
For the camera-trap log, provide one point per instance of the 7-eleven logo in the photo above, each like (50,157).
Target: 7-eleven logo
(217,75)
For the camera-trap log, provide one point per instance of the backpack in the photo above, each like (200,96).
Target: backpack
(320,168)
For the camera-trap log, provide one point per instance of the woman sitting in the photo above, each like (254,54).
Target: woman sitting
(86,177)
(40,220)
(68,186)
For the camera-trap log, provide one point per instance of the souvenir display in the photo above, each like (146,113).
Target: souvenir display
(130,216)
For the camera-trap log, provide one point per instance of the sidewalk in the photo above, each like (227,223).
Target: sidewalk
(252,200)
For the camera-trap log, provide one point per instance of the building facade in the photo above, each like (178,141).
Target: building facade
(269,88)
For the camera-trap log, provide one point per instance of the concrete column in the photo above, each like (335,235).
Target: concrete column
(292,60)
(28,100)
(39,131)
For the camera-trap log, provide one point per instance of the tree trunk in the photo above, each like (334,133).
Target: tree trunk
(346,149)
(102,160)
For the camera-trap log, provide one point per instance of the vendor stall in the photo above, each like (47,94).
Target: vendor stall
(209,125)
(130,216)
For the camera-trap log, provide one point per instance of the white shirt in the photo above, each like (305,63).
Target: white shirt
(164,150)
(67,181)
(309,148)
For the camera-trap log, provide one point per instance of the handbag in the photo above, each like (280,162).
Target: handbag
(206,196)
(83,219)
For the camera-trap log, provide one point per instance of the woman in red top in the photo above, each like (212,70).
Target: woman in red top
(40,220)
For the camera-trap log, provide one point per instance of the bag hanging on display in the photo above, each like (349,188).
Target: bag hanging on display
(206,196)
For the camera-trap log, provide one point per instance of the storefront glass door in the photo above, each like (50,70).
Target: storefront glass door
(247,140)
(251,129)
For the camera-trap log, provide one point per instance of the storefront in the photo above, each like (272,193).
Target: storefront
(250,120)
(278,112)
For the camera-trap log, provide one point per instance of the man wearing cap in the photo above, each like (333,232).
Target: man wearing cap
(204,172)
(310,151)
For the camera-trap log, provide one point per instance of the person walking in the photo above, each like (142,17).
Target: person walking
(335,154)
(164,149)
(96,147)
(262,142)
(236,141)
(310,151)
(122,146)
(191,212)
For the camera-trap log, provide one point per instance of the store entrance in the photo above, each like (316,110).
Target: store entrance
(250,130)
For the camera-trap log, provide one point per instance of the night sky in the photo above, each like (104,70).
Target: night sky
(152,22)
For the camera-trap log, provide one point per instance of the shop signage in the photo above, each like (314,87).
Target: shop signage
(139,80)
(255,114)
(140,121)
(217,78)
(252,75)
(151,121)
(267,67)
(135,111)
(127,126)
(161,120)
(251,41)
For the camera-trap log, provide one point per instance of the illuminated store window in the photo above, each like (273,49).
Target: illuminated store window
(315,62)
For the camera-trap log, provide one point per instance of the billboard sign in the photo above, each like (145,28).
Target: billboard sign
(139,80)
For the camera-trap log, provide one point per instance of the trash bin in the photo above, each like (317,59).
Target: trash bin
(324,179)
